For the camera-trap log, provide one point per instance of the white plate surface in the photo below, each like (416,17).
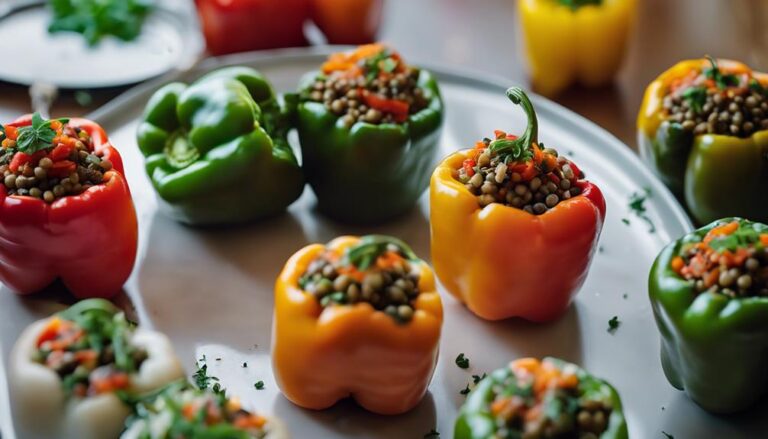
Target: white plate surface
(169,39)
(211,291)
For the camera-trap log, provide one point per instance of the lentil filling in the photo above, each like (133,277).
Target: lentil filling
(379,270)
(49,159)
(197,413)
(372,84)
(547,400)
(91,351)
(712,101)
(731,259)
(517,171)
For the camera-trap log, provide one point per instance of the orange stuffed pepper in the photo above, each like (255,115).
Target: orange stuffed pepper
(514,225)
(359,318)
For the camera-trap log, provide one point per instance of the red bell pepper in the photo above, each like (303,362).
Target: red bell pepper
(240,25)
(88,240)
(348,21)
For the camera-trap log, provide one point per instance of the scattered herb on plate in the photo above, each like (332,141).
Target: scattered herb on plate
(259,385)
(462,361)
(637,206)
(465,390)
(667,435)
(613,324)
(477,378)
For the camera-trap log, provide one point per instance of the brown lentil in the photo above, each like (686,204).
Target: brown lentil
(391,291)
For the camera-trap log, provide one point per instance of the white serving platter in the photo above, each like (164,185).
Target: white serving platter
(170,39)
(211,290)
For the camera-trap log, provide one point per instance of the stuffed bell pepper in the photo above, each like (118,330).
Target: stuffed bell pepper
(703,127)
(568,41)
(360,318)
(500,211)
(217,151)
(709,292)
(72,375)
(182,411)
(369,126)
(65,208)
(535,399)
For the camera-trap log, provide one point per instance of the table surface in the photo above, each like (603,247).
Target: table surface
(484,35)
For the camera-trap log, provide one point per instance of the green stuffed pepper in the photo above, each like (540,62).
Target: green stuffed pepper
(541,399)
(369,126)
(709,293)
(703,128)
(216,151)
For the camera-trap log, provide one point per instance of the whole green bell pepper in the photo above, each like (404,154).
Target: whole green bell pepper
(716,175)
(476,421)
(216,151)
(369,173)
(712,346)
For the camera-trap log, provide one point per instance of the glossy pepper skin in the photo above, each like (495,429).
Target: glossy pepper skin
(216,151)
(348,21)
(490,258)
(322,355)
(369,173)
(713,347)
(708,171)
(475,420)
(565,45)
(89,240)
(241,25)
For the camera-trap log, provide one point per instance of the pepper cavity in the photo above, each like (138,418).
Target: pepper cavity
(49,159)
(371,84)
(379,270)
(712,101)
(516,171)
(731,259)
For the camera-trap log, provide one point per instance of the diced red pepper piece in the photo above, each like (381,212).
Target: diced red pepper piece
(61,152)
(398,109)
(19,160)
(469,167)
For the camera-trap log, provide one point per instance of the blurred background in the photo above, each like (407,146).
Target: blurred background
(482,36)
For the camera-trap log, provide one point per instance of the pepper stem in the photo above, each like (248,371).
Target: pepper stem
(520,148)
(364,254)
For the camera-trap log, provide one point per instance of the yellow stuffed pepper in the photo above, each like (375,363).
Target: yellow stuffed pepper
(569,41)
(360,318)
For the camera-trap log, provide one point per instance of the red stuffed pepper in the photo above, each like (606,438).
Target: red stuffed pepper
(65,208)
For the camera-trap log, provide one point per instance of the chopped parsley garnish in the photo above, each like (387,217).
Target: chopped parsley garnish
(38,136)
(201,378)
(757,87)
(637,206)
(382,61)
(714,73)
(696,98)
(667,435)
(245,364)
(432,434)
(462,361)
(742,237)
(477,378)
(625,295)
(465,390)
(259,385)
(613,324)
(625,221)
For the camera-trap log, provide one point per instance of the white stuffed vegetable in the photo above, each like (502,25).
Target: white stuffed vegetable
(183,411)
(72,374)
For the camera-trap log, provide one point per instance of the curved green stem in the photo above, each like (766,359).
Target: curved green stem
(364,254)
(519,149)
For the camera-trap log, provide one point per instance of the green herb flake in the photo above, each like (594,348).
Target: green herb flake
(259,385)
(462,361)
(637,206)
(667,435)
(465,390)
(696,98)
(743,237)
(757,87)
(245,364)
(625,221)
(38,136)
(722,80)
(477,378)
(613,324)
